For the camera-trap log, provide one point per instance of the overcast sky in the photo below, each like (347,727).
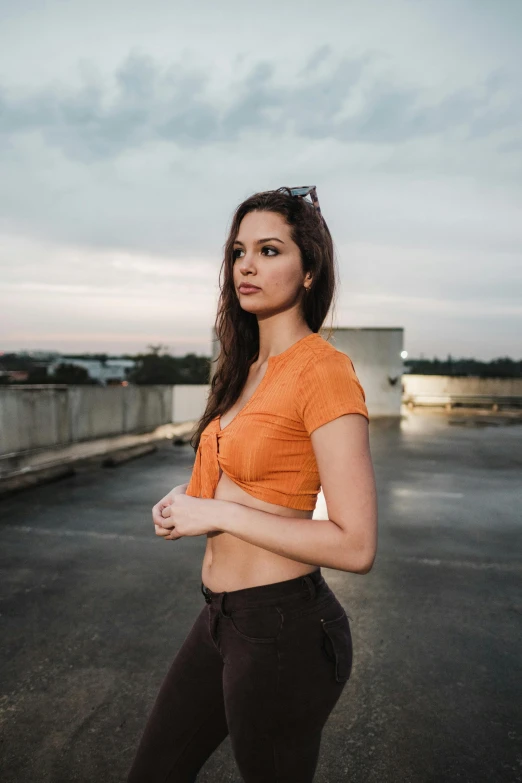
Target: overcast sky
(130,131)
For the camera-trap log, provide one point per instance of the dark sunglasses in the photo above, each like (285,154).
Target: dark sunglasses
(303,192)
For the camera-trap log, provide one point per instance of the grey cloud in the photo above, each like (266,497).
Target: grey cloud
(511,146)
(256,97)
(176,105)
(320,55)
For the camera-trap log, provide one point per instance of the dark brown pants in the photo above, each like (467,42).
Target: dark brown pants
(265,665)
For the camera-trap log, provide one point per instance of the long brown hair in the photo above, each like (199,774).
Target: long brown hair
(237,330)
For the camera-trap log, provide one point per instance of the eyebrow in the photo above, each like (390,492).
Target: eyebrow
(261,241)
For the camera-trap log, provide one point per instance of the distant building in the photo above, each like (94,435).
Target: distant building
(16,375)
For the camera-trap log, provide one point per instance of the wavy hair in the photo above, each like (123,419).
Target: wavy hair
(237,330)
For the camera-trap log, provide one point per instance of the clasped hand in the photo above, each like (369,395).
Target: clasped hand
(177,515)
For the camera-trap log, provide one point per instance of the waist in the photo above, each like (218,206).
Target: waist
(231,564)
(307,586)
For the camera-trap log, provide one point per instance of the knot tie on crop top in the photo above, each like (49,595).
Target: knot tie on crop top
(206,455)
(266,448)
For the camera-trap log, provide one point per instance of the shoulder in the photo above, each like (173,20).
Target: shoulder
(327,387)
(322,359)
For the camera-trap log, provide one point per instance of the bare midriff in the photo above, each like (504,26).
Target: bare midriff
(232,564)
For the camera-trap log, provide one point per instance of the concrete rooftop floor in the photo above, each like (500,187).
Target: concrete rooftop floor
(94,607)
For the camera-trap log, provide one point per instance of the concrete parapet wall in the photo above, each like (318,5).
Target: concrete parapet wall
(444,385)
(189,402)
(43,426)
(40,417)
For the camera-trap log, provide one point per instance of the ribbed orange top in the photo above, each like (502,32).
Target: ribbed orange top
(266,449)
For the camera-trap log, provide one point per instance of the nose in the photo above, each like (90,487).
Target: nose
(246,263)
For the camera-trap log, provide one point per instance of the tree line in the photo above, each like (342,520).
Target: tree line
(157,366)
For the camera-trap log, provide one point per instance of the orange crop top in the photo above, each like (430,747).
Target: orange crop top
(266,448)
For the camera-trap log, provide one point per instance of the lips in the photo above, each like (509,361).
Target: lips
(245,287)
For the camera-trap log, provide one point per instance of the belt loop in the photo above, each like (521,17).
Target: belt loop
(310,585)
(222,605)
(204,590)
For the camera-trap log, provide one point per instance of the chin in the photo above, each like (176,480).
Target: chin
(252,308)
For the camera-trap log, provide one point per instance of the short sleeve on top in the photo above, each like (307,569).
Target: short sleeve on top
(328,388)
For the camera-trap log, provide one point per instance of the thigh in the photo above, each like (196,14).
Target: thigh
(187,721)
(281,682)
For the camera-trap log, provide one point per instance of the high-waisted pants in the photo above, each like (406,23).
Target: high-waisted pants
(264,665)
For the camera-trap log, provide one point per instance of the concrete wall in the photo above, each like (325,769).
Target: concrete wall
(445,386)
(33,418)
(189,402)
(37,417)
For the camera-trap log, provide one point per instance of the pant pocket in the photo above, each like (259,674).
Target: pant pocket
(262,624)
(337,645)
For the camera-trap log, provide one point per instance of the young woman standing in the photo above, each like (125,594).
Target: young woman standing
(271,650)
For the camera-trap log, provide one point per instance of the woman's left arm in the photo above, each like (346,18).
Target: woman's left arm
(347,541)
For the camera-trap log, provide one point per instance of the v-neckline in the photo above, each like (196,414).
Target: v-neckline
(271,361)
(247,403)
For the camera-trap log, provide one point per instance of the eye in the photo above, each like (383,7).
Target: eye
(274,252)
(270,252)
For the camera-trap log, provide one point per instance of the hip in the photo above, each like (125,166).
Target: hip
(299,620)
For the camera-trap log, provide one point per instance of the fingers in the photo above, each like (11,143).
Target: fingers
(163,520)
(160,512)
(172,536)
(156,513)
(167,523)
(166,534)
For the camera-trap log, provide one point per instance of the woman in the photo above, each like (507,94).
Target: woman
(271,650)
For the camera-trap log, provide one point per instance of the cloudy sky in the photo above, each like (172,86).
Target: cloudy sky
(130,131)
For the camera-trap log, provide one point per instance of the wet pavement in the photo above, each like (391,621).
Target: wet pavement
(94,607)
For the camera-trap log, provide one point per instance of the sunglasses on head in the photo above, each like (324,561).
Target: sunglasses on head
(303,192)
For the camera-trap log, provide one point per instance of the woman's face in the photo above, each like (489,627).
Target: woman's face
(265,256)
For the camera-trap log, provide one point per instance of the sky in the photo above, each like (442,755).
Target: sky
(130,131)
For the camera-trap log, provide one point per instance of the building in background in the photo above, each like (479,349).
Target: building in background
(377,355)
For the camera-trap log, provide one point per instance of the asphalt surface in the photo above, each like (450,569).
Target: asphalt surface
(94,607)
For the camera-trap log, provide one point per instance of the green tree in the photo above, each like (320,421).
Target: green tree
(71,374)
(157,368)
